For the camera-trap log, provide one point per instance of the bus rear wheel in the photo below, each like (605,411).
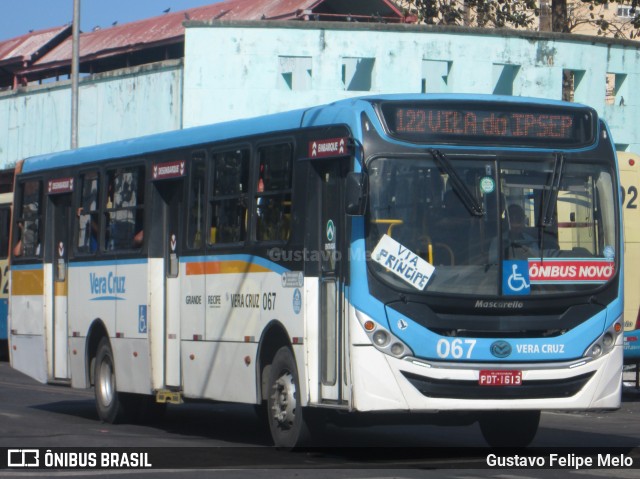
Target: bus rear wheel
(110,404)
(509,428)
(284,410)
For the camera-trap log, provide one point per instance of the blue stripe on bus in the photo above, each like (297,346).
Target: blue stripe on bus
(27,267)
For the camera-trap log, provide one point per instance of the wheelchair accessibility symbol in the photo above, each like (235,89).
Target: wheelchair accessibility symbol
(515,278)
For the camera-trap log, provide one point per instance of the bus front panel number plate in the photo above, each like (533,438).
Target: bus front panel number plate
(500,378)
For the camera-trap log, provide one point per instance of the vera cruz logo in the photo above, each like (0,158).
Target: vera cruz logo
(500,349)
(108,287)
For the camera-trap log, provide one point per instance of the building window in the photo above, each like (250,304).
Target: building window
(295,73)
(626,11)
(615,89)
(504,77)
(357,74)
(571,85)
(435,76)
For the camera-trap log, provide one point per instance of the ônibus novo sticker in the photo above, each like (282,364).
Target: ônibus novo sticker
(403,262)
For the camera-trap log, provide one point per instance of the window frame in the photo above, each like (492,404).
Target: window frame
(255,194)
(243,197)
(39,217)
(141,164)
(78,202)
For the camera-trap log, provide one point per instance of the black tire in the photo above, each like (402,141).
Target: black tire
(509,428)
(4,350)
(111,405)
(285,414)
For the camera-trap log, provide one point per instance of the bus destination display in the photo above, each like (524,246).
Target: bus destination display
(535,126)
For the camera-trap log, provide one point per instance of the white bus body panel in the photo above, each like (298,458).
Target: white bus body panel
(379,384)
(217,370)
(29,356)
(157,328)
(226,304)
(84,306)
(78,363)
(115,293)
(27,334)
(61,339)
(132,365)
(312,337)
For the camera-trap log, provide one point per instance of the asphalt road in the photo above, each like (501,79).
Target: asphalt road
(230,440)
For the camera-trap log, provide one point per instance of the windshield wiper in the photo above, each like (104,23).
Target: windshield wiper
(550,206)
(552,199)
(468,199)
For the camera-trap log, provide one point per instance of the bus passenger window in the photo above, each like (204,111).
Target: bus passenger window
(273,195)
(88,219)
(229,197)
(28,223)
(5,226)
(196,200)
(124,208)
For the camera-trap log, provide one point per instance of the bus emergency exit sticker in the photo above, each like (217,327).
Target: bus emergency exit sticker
(402,262)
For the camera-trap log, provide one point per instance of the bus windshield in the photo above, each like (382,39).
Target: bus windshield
(546,224)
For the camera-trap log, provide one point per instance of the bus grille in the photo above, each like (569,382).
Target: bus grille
(447,388)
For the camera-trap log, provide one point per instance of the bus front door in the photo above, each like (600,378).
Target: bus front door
(61,209)
(171,194)
(331,247)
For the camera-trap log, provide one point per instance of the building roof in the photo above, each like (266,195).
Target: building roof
(144,38)
(19,52)
(30,45)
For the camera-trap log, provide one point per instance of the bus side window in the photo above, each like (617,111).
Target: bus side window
(5,225)
(88,219)
(28,222)
(197,177)
(124,208)
(273,195)
(230,184)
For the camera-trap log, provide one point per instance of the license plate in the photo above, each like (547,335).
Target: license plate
(500,378)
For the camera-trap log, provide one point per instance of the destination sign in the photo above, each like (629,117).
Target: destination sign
(502,123)
(328,147)
(60,185)
(167,170)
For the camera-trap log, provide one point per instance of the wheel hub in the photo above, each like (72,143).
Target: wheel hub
(106,383)
(284,401)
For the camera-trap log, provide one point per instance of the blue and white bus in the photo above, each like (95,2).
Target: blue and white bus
(387,258)
(5,228)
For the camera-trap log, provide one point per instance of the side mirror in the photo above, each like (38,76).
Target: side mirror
(356,193)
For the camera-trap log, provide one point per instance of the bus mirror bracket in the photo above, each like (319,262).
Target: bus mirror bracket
(356,193)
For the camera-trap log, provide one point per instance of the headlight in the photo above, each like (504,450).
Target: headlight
(605,343)
(382,338)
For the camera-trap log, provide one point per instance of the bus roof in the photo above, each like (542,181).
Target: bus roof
(342,111)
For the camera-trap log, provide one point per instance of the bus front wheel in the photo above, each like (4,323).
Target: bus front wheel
(509,428)
(284,409)
(109,403)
